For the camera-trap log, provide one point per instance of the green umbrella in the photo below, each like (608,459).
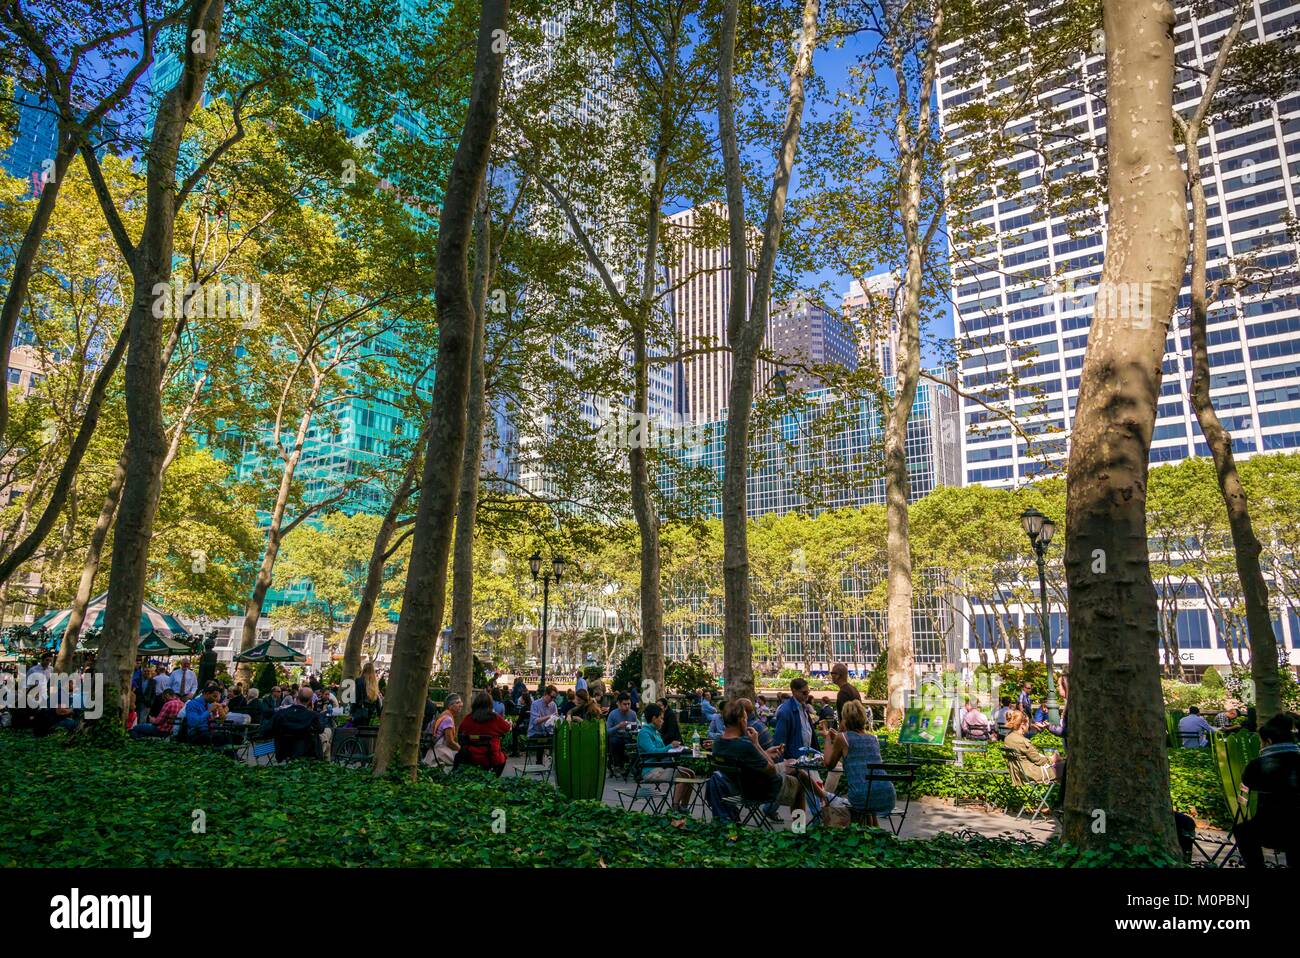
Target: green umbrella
(272,650)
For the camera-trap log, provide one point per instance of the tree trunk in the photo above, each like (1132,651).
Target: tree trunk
(1245,544)
(59,494)
(746,327)
(25,263)
(1118,787)
(426,581)
(274,536)
(113,495)
(912,149)
(90,567)
(462,577)
(151,265)
(375,573)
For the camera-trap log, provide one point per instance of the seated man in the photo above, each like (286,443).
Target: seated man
(298,730)
(707,708)
(542,715)
(198,714)
(620,725)
(1000,714)
(162,724)
(1275,777)
(1193,730)
(761,778)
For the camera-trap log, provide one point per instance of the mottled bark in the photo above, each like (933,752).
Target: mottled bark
(379,555)
(151,264)
(1119,766)
(426,582)
(90,566)
(747,325)
(1245,544)
(462,576)
(913,144)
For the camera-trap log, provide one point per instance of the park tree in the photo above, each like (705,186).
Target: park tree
(1119,763)
(335,291)
(259,69)
(888,195)
(649,153)
(424,598)
(748,306)
(81,62)
(1247,75)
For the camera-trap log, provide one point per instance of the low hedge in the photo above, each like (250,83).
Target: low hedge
(139,805)
(1193,781)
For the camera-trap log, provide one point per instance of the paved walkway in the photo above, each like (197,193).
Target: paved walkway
(927,817)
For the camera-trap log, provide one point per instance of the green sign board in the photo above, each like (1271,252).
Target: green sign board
(925,725)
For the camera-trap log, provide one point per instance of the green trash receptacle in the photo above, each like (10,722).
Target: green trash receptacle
(579,758)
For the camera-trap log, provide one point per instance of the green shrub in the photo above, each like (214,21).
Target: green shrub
(629,670)
(878,679)
(1181,696)
(88,806)
(689,675)
(1213,679)
(267,678)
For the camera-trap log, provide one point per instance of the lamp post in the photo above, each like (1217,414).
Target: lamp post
(1040,530)
(557,569)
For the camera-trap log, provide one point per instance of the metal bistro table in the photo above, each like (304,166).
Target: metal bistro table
(810,766)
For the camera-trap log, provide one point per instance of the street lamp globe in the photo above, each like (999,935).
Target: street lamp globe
(1031,520)
(535,563)
(1046,531)
(557,566)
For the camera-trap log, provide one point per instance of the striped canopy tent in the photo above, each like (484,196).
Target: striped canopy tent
(175,638)
(272,650)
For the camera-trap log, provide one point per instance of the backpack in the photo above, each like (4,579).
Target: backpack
(718,787)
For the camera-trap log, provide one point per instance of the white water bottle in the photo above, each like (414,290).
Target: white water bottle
(695,743)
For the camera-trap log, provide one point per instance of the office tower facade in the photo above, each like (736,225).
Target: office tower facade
(35,141)
(1028,307)
(700,281)
(846,461)
(805,333)
(843,455)
(871,306)
(1025,300)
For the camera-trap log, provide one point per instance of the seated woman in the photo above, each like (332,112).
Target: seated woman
(760,776)
(443,730)
(585,707)
(649,741)
(1025,760)
(858,749)
(480,734)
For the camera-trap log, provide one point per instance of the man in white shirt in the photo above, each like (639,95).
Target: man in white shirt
(184,682)
(162,681)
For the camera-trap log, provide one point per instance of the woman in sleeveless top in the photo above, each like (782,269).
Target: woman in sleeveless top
(858,749)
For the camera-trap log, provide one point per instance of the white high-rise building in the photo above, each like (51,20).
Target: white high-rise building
(1037,291)
(701,298)
(872,306)
(1024,301)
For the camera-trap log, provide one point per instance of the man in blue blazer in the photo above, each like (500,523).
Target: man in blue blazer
(793,728)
